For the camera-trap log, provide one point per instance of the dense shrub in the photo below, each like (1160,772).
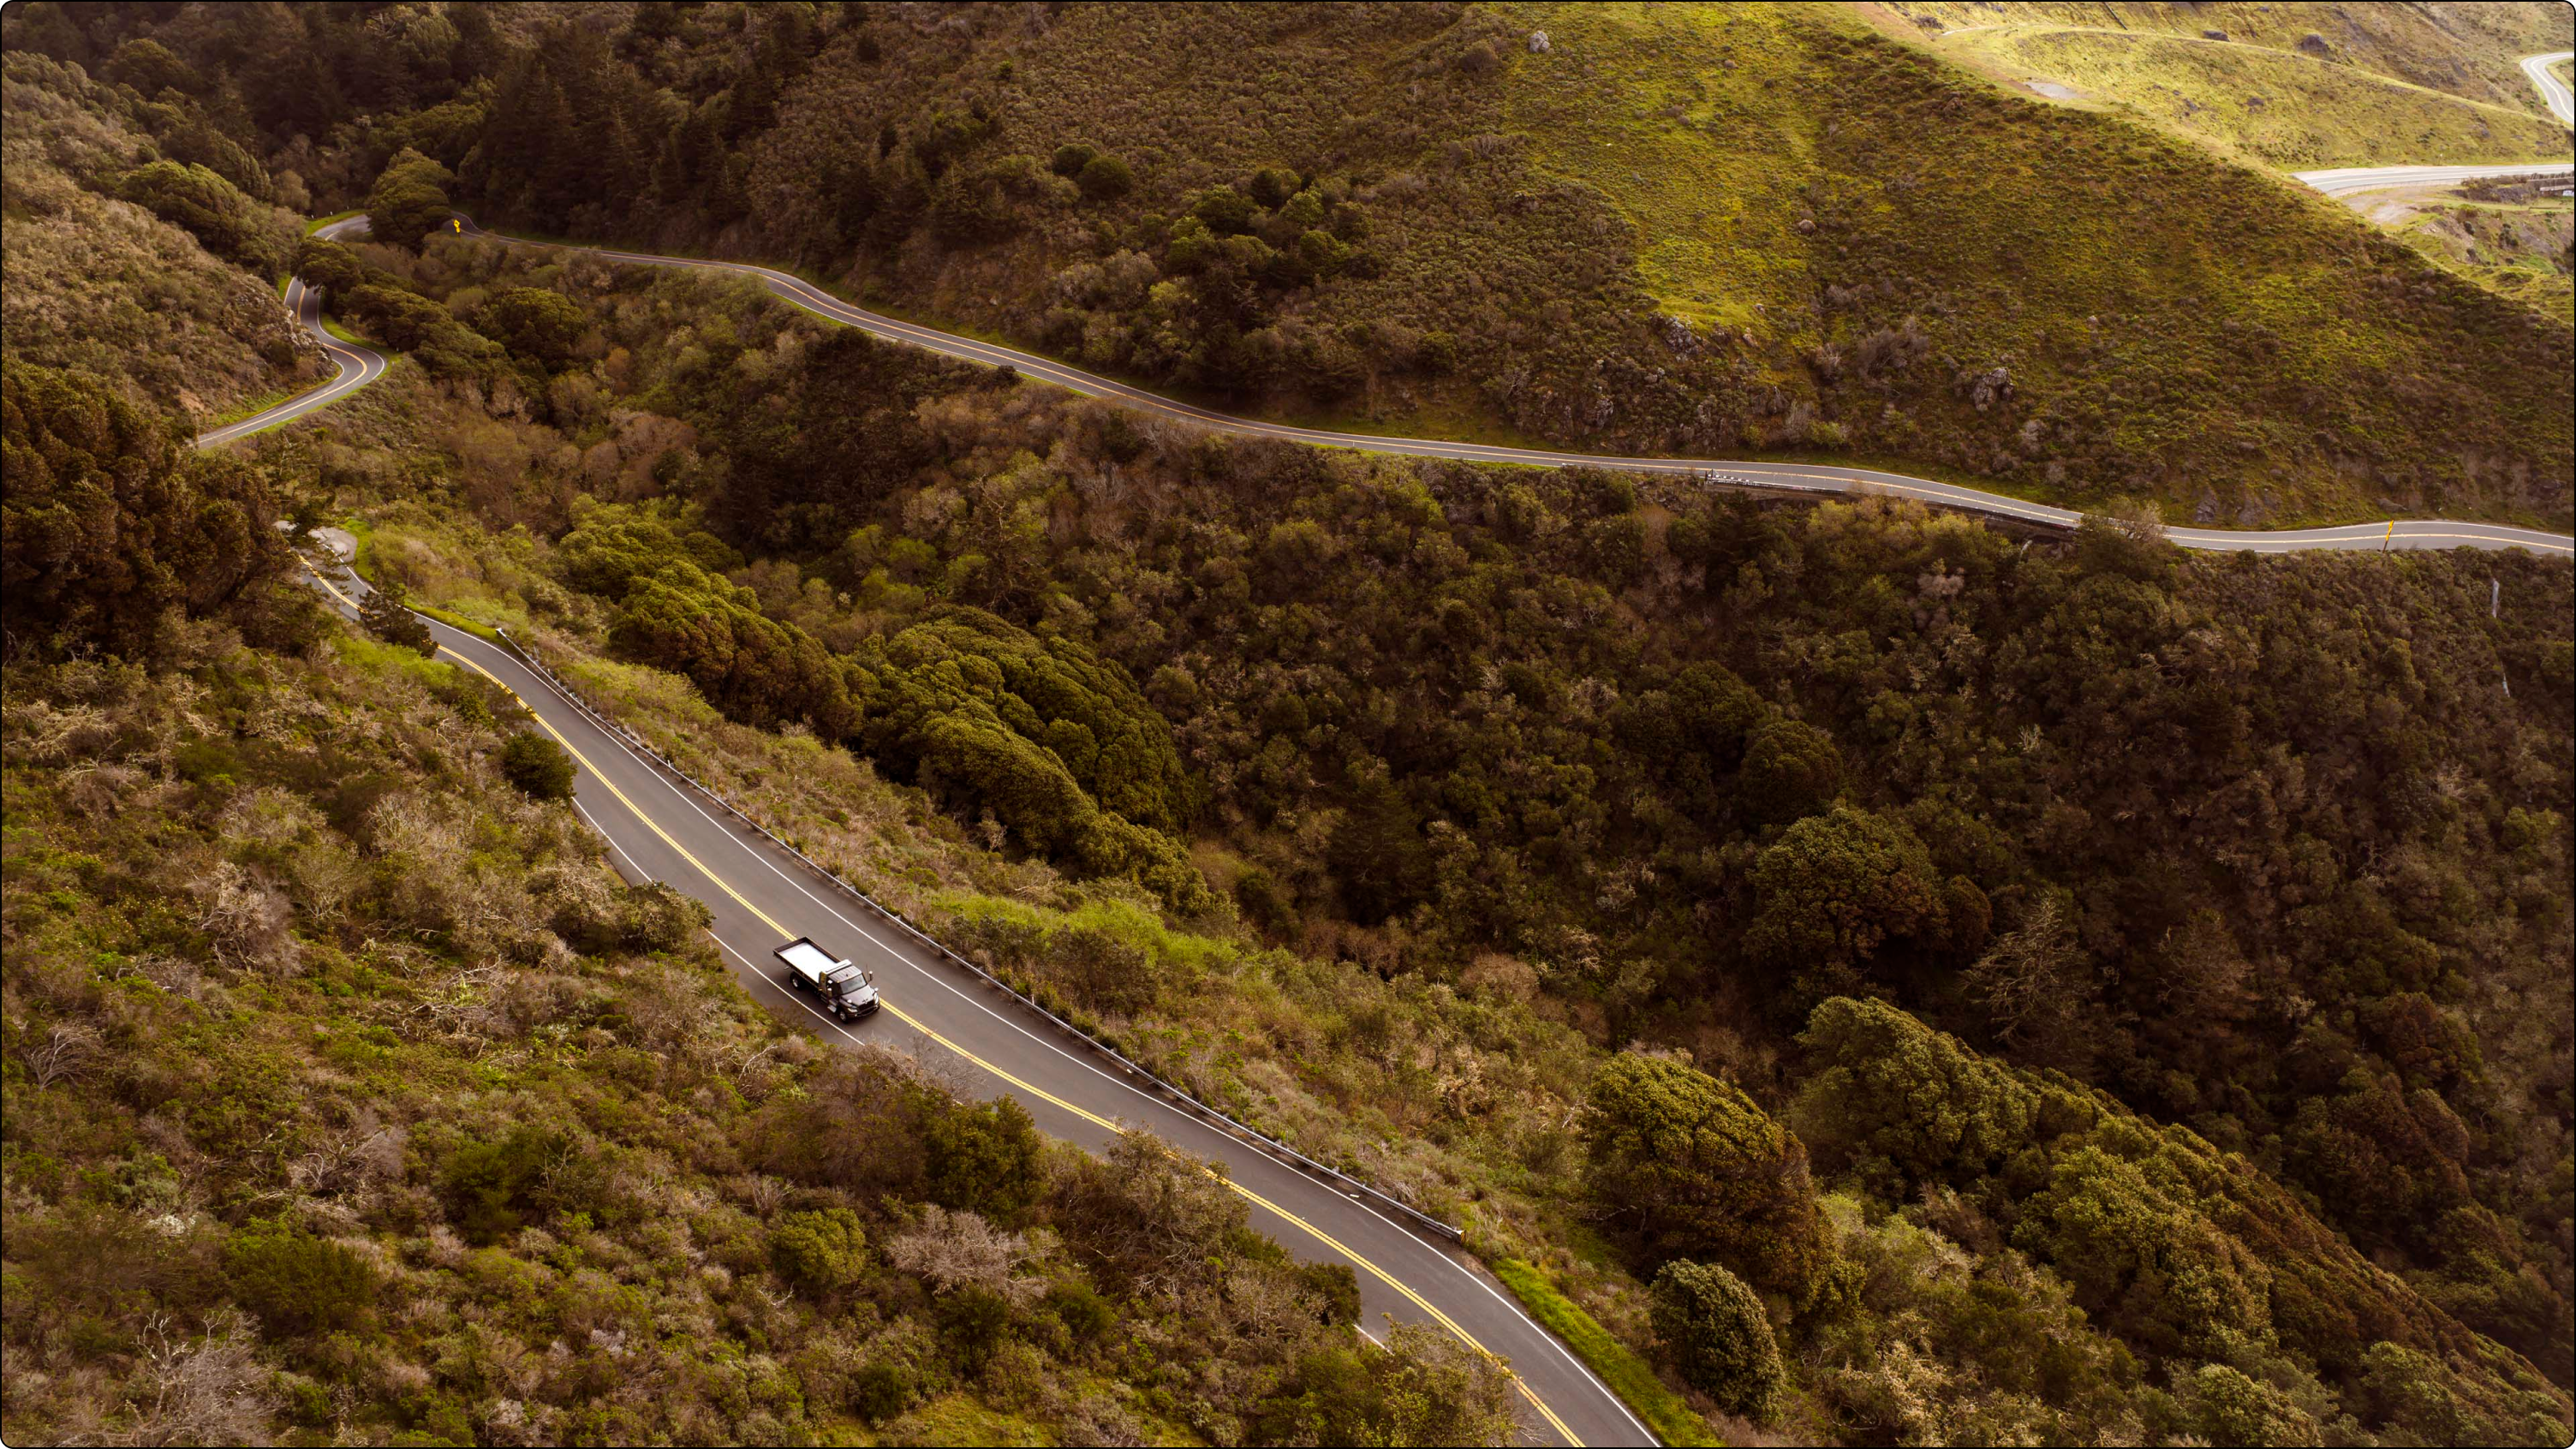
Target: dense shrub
(409,200)
(491,1188)
(1720,1339)
(110,526)
(541,326)
(299,1284)
(822,1252)
(211,209)
(539,767)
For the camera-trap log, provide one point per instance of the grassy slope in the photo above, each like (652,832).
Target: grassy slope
(2270,107)
(2520,251)
(328,999)
(2466,48)
(1783,174)
(1628,1375)
(1762,163)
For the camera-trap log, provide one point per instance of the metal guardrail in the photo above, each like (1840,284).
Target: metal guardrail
(1224,1122)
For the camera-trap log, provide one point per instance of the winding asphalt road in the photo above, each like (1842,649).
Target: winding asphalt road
(2352,180)
(358,365)
(661,828)
(1715,473)
(1794,477)
(2553,91)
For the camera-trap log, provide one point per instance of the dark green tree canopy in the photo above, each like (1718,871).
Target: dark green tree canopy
(534,323)
(298,1283)
(538,767)
(820,1252)
(1837,888)
(1059,746)
(109,525)
(679,615)
(1719,1337)
(2168,1241)
(410,200)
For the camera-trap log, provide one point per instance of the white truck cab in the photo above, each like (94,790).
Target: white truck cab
(844,990)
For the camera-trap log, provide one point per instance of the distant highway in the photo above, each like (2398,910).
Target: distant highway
(2353,180)
(2350,180)
(357,365)
(1793,477)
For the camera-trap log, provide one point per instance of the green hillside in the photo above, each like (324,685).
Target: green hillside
(110,276)
(1875,977)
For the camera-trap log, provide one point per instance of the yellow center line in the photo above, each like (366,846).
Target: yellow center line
(631,808)
(908,1019)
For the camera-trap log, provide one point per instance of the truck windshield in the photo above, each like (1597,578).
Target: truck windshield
(848,978)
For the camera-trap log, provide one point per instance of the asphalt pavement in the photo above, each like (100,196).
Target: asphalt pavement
(661,828)
(360,366)
(2553,91)
(2352,180)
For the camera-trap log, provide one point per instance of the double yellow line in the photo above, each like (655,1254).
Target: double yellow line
(899,1014)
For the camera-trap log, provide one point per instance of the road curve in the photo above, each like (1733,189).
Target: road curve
(2353,180)
(2553,91)
(357,365)
(661,828)
(1795,477)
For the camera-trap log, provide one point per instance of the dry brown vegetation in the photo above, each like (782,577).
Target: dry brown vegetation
(105,285)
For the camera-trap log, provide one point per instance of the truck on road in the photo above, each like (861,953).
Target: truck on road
(844,990)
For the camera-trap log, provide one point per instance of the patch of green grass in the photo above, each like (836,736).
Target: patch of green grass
(454,620)
(2470,51)
(963,1419)
(332,326)
(1129,922)
(252,407)
(1826,194)
(377,658)
(1697,123)
(1627,1375)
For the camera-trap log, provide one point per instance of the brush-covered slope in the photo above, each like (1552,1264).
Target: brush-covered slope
(122,258)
